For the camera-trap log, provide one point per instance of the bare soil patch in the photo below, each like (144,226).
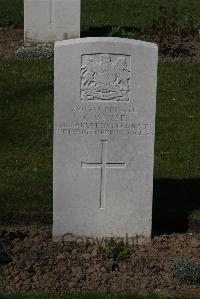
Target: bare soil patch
(10,40)
(185,49)
(31,263)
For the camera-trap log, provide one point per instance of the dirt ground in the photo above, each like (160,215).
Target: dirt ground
(12,38)
(31,263)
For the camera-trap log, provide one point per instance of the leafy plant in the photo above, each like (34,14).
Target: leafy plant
(169,27)
(165,27)
(194,221)
(195,215)
(187,270)
(121,32)
(189,26)
(116,251)
(34,53)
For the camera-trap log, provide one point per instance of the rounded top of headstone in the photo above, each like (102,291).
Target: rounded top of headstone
(113,40)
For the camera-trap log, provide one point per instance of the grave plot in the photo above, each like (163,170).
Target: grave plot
(105,102)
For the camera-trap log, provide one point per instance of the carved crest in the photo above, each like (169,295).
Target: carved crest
(105,77)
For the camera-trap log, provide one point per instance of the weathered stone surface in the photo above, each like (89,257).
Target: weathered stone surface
(105,103)
(46,21)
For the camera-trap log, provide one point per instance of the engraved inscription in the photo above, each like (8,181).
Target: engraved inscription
(105,77)
(96,128)
(103,165)
(100,120)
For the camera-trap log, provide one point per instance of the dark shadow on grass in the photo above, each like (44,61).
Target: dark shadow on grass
(173,201)
(96,31)
(104,30)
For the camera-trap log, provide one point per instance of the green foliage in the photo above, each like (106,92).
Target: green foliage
(124,13)
(165,27)
(189,26)
(177,152)
(116,251)
(34,53)
(137,13)
(26,114)
(11,12)
(121,32)
(195,215)
(168,27)
(187,270)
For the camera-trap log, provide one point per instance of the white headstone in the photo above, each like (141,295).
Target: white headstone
(105,103)
(46,21)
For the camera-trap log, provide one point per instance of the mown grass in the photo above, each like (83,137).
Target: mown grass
(138,13)
(11,12)
(195,215)
(177,152)
(98,13)
(26,124)
(92,296)
(26,110)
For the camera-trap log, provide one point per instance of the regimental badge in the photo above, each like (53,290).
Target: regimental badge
(105,77)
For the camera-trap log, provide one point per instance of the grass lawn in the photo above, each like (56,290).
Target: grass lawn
(26,135)
(98,13)
(11,12)
(140,13)
(26,116)
(177,123)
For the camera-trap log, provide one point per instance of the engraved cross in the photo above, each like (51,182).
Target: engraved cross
(103,165)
